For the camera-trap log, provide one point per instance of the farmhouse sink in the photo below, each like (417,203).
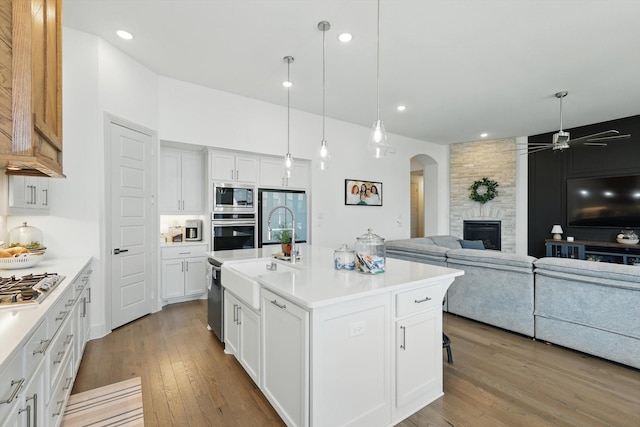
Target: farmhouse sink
(239,277)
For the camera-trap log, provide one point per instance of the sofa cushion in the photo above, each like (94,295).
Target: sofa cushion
(604,273)
(446,241)
(472,244)
(490,257)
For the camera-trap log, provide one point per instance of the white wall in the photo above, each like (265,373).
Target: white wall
(197,115)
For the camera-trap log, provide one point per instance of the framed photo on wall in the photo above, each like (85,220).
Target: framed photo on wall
(362,193)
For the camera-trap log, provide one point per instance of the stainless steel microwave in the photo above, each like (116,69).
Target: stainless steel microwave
(233,198)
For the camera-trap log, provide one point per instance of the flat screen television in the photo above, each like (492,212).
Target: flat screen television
(604,202)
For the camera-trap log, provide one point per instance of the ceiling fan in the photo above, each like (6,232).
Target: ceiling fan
(561,140)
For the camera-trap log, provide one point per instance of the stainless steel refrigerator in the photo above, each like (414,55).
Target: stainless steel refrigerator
(294,200)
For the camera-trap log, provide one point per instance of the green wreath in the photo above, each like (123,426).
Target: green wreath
(489,194)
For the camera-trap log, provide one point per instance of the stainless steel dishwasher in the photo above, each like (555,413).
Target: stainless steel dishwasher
(215,302)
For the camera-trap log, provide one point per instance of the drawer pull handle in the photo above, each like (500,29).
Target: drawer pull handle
(60,357)
(44,344)
(404,338)
(68,340)
(68,383)
(418,301)
(18,385)
(63,314)
(35,409)
(275,302)
(60,406)
(28,411)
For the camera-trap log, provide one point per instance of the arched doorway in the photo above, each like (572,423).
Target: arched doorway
(424,196)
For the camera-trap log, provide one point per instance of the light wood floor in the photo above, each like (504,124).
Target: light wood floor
(497,378)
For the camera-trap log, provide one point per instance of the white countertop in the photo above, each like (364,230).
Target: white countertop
(317,283)
(17,323)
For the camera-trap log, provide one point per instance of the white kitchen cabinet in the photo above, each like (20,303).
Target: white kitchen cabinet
(31,406)
(230,166)
(242,334)
(28,194)
(285,355)
(418,372)
(184,270)
(272,174)
(181,182)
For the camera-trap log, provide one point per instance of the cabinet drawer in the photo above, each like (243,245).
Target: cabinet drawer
(183,251)
(11,381)
(60,348)
(417,300)
(60,393)
(35,348)
(61,311)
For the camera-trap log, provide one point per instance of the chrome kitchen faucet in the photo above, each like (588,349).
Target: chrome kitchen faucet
(293,230)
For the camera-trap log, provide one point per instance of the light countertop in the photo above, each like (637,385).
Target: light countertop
(316,282)
(17,323)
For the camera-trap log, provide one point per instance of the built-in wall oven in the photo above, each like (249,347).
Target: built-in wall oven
(233,220)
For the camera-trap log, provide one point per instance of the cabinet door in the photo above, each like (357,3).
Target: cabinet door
(195,279)
(272,173)
(42,193)
(21,193)
(231,329)
(192,183)
(285,354)
(222,166)
(250,342)
(299,175)
(170,197)
(31,407)
(172,278)
(418,357)
(246,168)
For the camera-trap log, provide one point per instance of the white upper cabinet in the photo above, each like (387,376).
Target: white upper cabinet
(28,195)
(181,182)
(272,174)
(228,166)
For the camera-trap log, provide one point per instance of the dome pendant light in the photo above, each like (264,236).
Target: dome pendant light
(378,145)
(323,161)
(288,160)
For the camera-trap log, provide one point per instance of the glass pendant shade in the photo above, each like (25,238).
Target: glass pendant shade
(288,165)
(378,145)
(323,157)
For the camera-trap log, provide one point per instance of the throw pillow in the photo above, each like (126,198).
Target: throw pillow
(472,244)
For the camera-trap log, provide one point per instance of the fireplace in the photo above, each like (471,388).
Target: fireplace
(487,231)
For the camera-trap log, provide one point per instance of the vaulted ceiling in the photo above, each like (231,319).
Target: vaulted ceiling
(462,67)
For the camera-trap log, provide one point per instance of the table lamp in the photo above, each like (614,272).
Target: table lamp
(557,231)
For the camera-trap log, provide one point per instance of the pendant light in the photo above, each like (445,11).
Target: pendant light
(323,161)
(378,145)
(288,160)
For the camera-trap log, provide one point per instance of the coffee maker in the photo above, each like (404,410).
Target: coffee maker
(193,229)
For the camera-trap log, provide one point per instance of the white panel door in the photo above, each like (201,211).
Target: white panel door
(131,224)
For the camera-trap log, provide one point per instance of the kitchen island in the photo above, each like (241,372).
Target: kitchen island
(334,347)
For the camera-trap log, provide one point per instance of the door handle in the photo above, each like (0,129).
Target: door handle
(119,251)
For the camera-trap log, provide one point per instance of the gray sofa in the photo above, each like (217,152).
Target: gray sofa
(587,306)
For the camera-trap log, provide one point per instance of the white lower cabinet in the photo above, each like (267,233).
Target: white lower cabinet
(184,270)
(285,355)
(242,334)
(36,383)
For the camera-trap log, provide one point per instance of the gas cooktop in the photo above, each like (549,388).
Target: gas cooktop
(27,290)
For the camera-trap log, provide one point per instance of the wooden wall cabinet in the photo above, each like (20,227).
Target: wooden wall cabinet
(31,87)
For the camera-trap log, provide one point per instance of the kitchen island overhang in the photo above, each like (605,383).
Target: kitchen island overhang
(371,344)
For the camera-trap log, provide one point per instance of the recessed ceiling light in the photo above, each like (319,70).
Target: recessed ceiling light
(484,135)
(287,84)
(126,35)
(345,37)
(401,107)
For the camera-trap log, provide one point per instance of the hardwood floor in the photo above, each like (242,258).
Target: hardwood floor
(497,378)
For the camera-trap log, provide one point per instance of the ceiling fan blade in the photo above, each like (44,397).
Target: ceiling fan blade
(595,144)
(609,138)
(535,150)
(605,134)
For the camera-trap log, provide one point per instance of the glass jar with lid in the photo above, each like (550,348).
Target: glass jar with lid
(26,236)
(370,253)
(344,258)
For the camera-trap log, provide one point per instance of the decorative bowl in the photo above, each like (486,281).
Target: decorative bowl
(628,241)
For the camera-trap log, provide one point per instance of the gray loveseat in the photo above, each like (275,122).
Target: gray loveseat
(587,306)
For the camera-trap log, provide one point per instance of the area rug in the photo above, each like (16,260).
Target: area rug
(118,404)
